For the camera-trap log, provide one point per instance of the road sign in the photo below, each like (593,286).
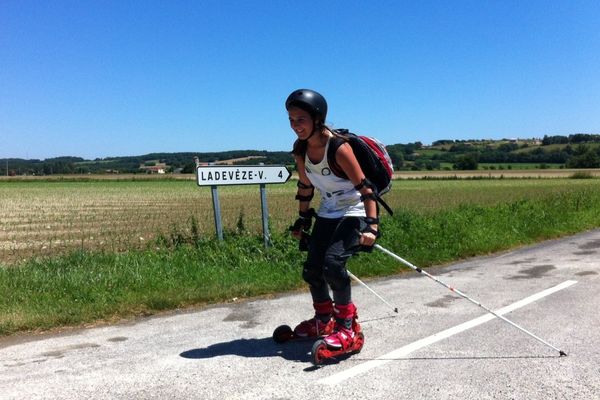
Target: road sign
(216,175)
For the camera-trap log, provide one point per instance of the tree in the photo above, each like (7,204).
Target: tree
(460,147)
(557,139)
(469,161)
(189,168)
(584,159)
(442,142)
(508,147)
(583,138)
(397,157)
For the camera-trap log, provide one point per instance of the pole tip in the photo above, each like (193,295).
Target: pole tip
(562,353)
(396,310)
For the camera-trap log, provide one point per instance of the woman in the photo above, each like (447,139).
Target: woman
(347,208)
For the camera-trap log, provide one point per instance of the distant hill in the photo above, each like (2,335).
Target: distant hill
(574,151)
(173,162)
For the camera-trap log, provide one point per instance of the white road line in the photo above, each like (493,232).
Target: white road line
(405,350)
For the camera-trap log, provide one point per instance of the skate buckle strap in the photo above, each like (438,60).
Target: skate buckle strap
(341,339)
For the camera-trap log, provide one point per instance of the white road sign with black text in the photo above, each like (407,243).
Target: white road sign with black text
(215,175)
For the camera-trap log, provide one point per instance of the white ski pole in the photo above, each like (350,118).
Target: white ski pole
(461,294)
(371,290)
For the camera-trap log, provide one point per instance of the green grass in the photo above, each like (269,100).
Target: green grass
(84,287)
(184,269)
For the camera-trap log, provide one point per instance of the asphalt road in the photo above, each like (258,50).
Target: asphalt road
(439,346)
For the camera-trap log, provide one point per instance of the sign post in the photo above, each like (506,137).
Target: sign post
(217,211)
(265,215)
(216,175)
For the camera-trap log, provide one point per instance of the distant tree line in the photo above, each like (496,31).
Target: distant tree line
(571,139)
(59,165)
(183,162)
(575,151)
(580,156)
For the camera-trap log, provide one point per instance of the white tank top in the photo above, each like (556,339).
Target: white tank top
(338,196)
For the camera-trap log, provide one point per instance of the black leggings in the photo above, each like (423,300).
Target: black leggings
(333,242)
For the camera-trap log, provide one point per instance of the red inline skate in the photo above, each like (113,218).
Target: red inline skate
(319,326)
(346,338)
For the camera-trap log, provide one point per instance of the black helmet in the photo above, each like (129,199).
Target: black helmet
(309,101)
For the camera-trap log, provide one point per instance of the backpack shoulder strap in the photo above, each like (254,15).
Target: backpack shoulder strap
(334,144)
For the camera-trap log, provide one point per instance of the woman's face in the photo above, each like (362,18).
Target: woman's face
(301,122)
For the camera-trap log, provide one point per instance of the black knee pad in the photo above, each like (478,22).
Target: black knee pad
(335,272)
(312,276)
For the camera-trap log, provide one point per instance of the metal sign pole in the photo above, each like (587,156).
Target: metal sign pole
(217,211)
(265,215)
(216,204)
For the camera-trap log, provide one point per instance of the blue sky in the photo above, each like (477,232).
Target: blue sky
(116,78)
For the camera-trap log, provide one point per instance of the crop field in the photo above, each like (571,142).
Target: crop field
(47,218)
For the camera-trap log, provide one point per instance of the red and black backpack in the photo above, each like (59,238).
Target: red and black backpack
(372,157)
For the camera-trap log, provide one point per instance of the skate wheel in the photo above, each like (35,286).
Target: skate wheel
(282,334)
(359,342)
(317,354)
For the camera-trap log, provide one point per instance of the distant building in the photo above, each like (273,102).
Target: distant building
(151,167)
